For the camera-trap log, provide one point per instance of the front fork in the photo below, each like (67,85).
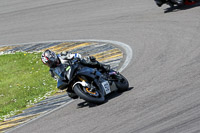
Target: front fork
(90,88)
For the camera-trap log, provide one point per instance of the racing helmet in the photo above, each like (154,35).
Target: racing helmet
(49,58)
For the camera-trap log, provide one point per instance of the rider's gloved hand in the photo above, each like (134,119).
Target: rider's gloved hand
(92,58)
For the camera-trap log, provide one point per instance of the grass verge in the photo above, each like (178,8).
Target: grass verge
(24,80)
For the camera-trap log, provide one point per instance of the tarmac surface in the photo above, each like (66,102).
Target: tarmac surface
(164,70)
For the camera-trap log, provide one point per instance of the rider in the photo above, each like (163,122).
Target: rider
(54,62)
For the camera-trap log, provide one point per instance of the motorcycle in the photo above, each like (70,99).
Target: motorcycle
(173,3)
(90,84)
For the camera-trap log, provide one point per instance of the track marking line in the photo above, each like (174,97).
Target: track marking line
(3,127)
(110,57)
(6,48)
(56,46)
(106,53)
(76,46)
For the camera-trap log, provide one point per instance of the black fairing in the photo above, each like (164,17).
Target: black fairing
(89,72)
(72,71)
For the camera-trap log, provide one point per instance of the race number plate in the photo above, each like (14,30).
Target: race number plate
(106,87)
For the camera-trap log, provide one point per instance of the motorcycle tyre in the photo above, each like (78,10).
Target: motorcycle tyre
(122,86)
(87,97)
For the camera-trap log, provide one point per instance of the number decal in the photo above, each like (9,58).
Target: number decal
(106,87)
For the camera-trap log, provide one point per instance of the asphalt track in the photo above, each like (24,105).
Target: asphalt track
(164,70)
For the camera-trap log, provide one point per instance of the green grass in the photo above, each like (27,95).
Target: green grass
(24,80)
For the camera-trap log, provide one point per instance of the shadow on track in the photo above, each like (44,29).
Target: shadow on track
(179,8)
(110,96)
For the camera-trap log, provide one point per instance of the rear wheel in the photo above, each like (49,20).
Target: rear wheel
(92,95)
(122,83)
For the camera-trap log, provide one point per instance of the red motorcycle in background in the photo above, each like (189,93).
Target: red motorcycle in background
(173,3)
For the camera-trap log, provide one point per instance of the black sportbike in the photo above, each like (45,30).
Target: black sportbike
(90,84)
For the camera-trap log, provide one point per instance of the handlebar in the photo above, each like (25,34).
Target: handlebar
(75,60)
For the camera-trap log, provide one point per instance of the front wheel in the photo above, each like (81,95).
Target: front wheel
(122,83)
(88,95)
